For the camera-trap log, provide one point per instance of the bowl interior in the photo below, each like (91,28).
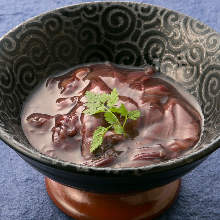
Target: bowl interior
(123,33)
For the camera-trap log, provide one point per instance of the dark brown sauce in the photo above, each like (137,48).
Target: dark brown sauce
(53,121)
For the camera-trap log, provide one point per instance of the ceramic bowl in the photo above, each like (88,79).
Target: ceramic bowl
(125,33)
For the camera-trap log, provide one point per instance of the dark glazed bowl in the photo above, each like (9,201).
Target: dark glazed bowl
(123,33)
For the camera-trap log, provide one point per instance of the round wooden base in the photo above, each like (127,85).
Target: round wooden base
(92,206)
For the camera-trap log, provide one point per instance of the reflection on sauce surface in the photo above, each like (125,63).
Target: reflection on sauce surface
(53,121)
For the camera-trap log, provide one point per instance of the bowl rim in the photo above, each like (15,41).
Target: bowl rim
(106,171)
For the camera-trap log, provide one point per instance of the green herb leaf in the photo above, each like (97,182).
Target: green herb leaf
(91,97)
(93,110)
(120,110)
(97,138)
(106,103)
(111,118)
(113,98)
(134,115)
(104,97)
(118,129)
(95,103)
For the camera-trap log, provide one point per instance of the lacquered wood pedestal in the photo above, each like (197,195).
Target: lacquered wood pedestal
(133,206)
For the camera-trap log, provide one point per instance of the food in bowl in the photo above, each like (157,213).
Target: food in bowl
(110,115)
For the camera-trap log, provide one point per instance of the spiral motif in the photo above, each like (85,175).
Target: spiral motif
(9,46)
(52,23)
(88,33)
(153,49)
(198,28)
(176,41)
(148,16)
(170,20)
(211,84)
(26,74)
(153,43)
(191,75)
(128,55)
(213,42)
(214,85)
(96,53)
(64,48)
(118,22)
(195,55)
(35,44)
(210,90)
(37,49)
(147,13)
(7,80)
(91,12)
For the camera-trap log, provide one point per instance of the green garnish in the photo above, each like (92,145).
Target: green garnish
(106,103)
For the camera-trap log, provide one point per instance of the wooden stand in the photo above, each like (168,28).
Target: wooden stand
(91,206)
